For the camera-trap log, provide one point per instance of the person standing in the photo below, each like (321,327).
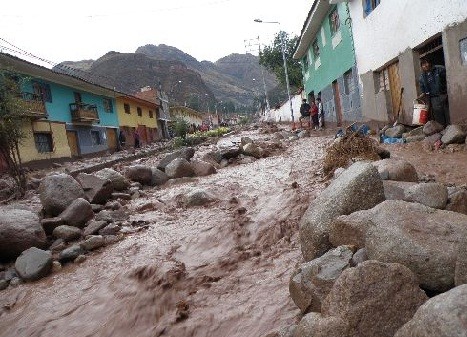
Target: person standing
(304,112)
(314,115)
(434,87)
(320,113)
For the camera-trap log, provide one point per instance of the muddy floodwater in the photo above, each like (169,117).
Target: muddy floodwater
(220,269)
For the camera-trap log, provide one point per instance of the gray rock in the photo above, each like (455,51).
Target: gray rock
(315,325)
(202,168)
(119,182)
(418,131)
(158,177)
(104,215)
(433,195)
(412,139)
(70,253)
(96,190)
(111,239)
(453,134)
(19,230)
(33,264)
(139,173)
(458,202)
(444,315)
(432,127)
(304,134)
(245,140)
(56,266)
(460,272)
(373,299)
(185,153)
(359,257)
(113,205)
(313,280)
(431,140)
(120,195)
(397,169)
(15,281)
(179,168)
(93,227)
(49,224)
(67,233)
(395,132)
(57,245)
(93,242)
(58,191)
(3,284)
(110,229)
(198,198)
(359,187)
(77,213)
(231,152)
(395,190)
(97,208)
(253,150)
(213,156)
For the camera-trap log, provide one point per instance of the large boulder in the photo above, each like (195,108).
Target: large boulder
(96,190)
(58,191)
(396,169)
(185,153)
(119,182)
(158,177)
(252,150)
(358,187)
(433,195)
(458,202)
(432,127)
(33,264)
(139,173)
(19,230)
(67,233)
(395,132)
(395,190)
(78,213)
(444,315)
(178,168)
(198,198)
(422,238)
(460,273)
(453,134)
(203,168)
(313,280)
(373,299)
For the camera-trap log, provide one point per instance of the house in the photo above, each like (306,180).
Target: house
(160,98)
(326,52)
(137,115)
(390,37)
(68,116)
(282,113)
(190,115)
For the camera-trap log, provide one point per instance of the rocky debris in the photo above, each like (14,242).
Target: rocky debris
(77,213)
(414,133)
(395,190)
(3,284)
(80,258)
(458,202)
(70,253)
(245,140)
(67,233)
(359,257)
(423,239)
(395,131)
(96,190)
(33,264)
(359,187)
(202,168)
(158,177)
(432,127)
(288,331)
(303,134)
(253,150)
(49,224)
(104,215)
(313,280)
(97,208)
(372,299)
(57,245)
(411,139)
(93,227)
(110,229)
(111,205)
(433,195)
(396,169)
(178,168)
(198,198)
(139,173)
(121,195)
(453,134)
(230,152)
(212,157)
(19,230)
(460,272)
(430,141)
(93,242)
(119,182)
(185,153)
(58,191)
(444,315)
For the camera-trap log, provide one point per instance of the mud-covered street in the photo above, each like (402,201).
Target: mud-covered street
(220,269)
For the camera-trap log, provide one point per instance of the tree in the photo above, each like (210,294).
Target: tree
(271,58)
(13,112)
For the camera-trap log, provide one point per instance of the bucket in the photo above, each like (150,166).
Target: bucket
(420,113)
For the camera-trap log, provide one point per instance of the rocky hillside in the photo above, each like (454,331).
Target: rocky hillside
(236,78)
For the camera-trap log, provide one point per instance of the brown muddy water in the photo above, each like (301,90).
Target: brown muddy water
(216,270)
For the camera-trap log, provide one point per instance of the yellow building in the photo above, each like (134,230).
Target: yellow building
(189,115)
(136,115)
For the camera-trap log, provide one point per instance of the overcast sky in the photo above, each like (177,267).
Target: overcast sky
(87,29)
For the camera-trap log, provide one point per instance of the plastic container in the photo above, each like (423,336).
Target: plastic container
(420,113)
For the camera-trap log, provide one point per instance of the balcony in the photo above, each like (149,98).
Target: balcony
(84,113)
(34,105)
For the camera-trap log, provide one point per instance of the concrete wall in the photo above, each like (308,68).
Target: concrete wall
(283,114)
(456,72)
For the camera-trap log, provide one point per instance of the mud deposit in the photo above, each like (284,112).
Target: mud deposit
(220,269)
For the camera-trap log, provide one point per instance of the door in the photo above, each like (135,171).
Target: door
(337,102)
(111,139)
(73,143)
(395,89)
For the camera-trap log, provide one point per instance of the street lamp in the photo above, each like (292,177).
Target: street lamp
(285,67)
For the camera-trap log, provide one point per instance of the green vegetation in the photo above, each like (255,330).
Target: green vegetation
(199,137)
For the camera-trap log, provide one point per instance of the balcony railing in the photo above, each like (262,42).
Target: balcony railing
(84,113)
(34,105)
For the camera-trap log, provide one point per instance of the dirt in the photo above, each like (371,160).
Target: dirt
(216,270)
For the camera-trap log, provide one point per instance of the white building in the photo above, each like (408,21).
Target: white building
(390,37)
(283,113)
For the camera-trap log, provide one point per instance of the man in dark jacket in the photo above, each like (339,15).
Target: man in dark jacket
(434,87)
(305,112)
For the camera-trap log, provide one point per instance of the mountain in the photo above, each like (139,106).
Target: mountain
(236,78)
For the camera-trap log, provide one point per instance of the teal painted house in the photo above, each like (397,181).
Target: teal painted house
(326,52)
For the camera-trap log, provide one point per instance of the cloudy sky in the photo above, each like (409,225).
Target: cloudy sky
(87,29)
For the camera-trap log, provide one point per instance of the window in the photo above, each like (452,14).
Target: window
(139,111)
(369,6)
(43,142)
(334,22)
(151,114)
(96,137)
(348,82)
(42,90)
(107,102)
(384,80)
(316,48)
(126,107)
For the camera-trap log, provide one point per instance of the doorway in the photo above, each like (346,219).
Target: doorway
(73,143)
(111,139)
(337,102)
